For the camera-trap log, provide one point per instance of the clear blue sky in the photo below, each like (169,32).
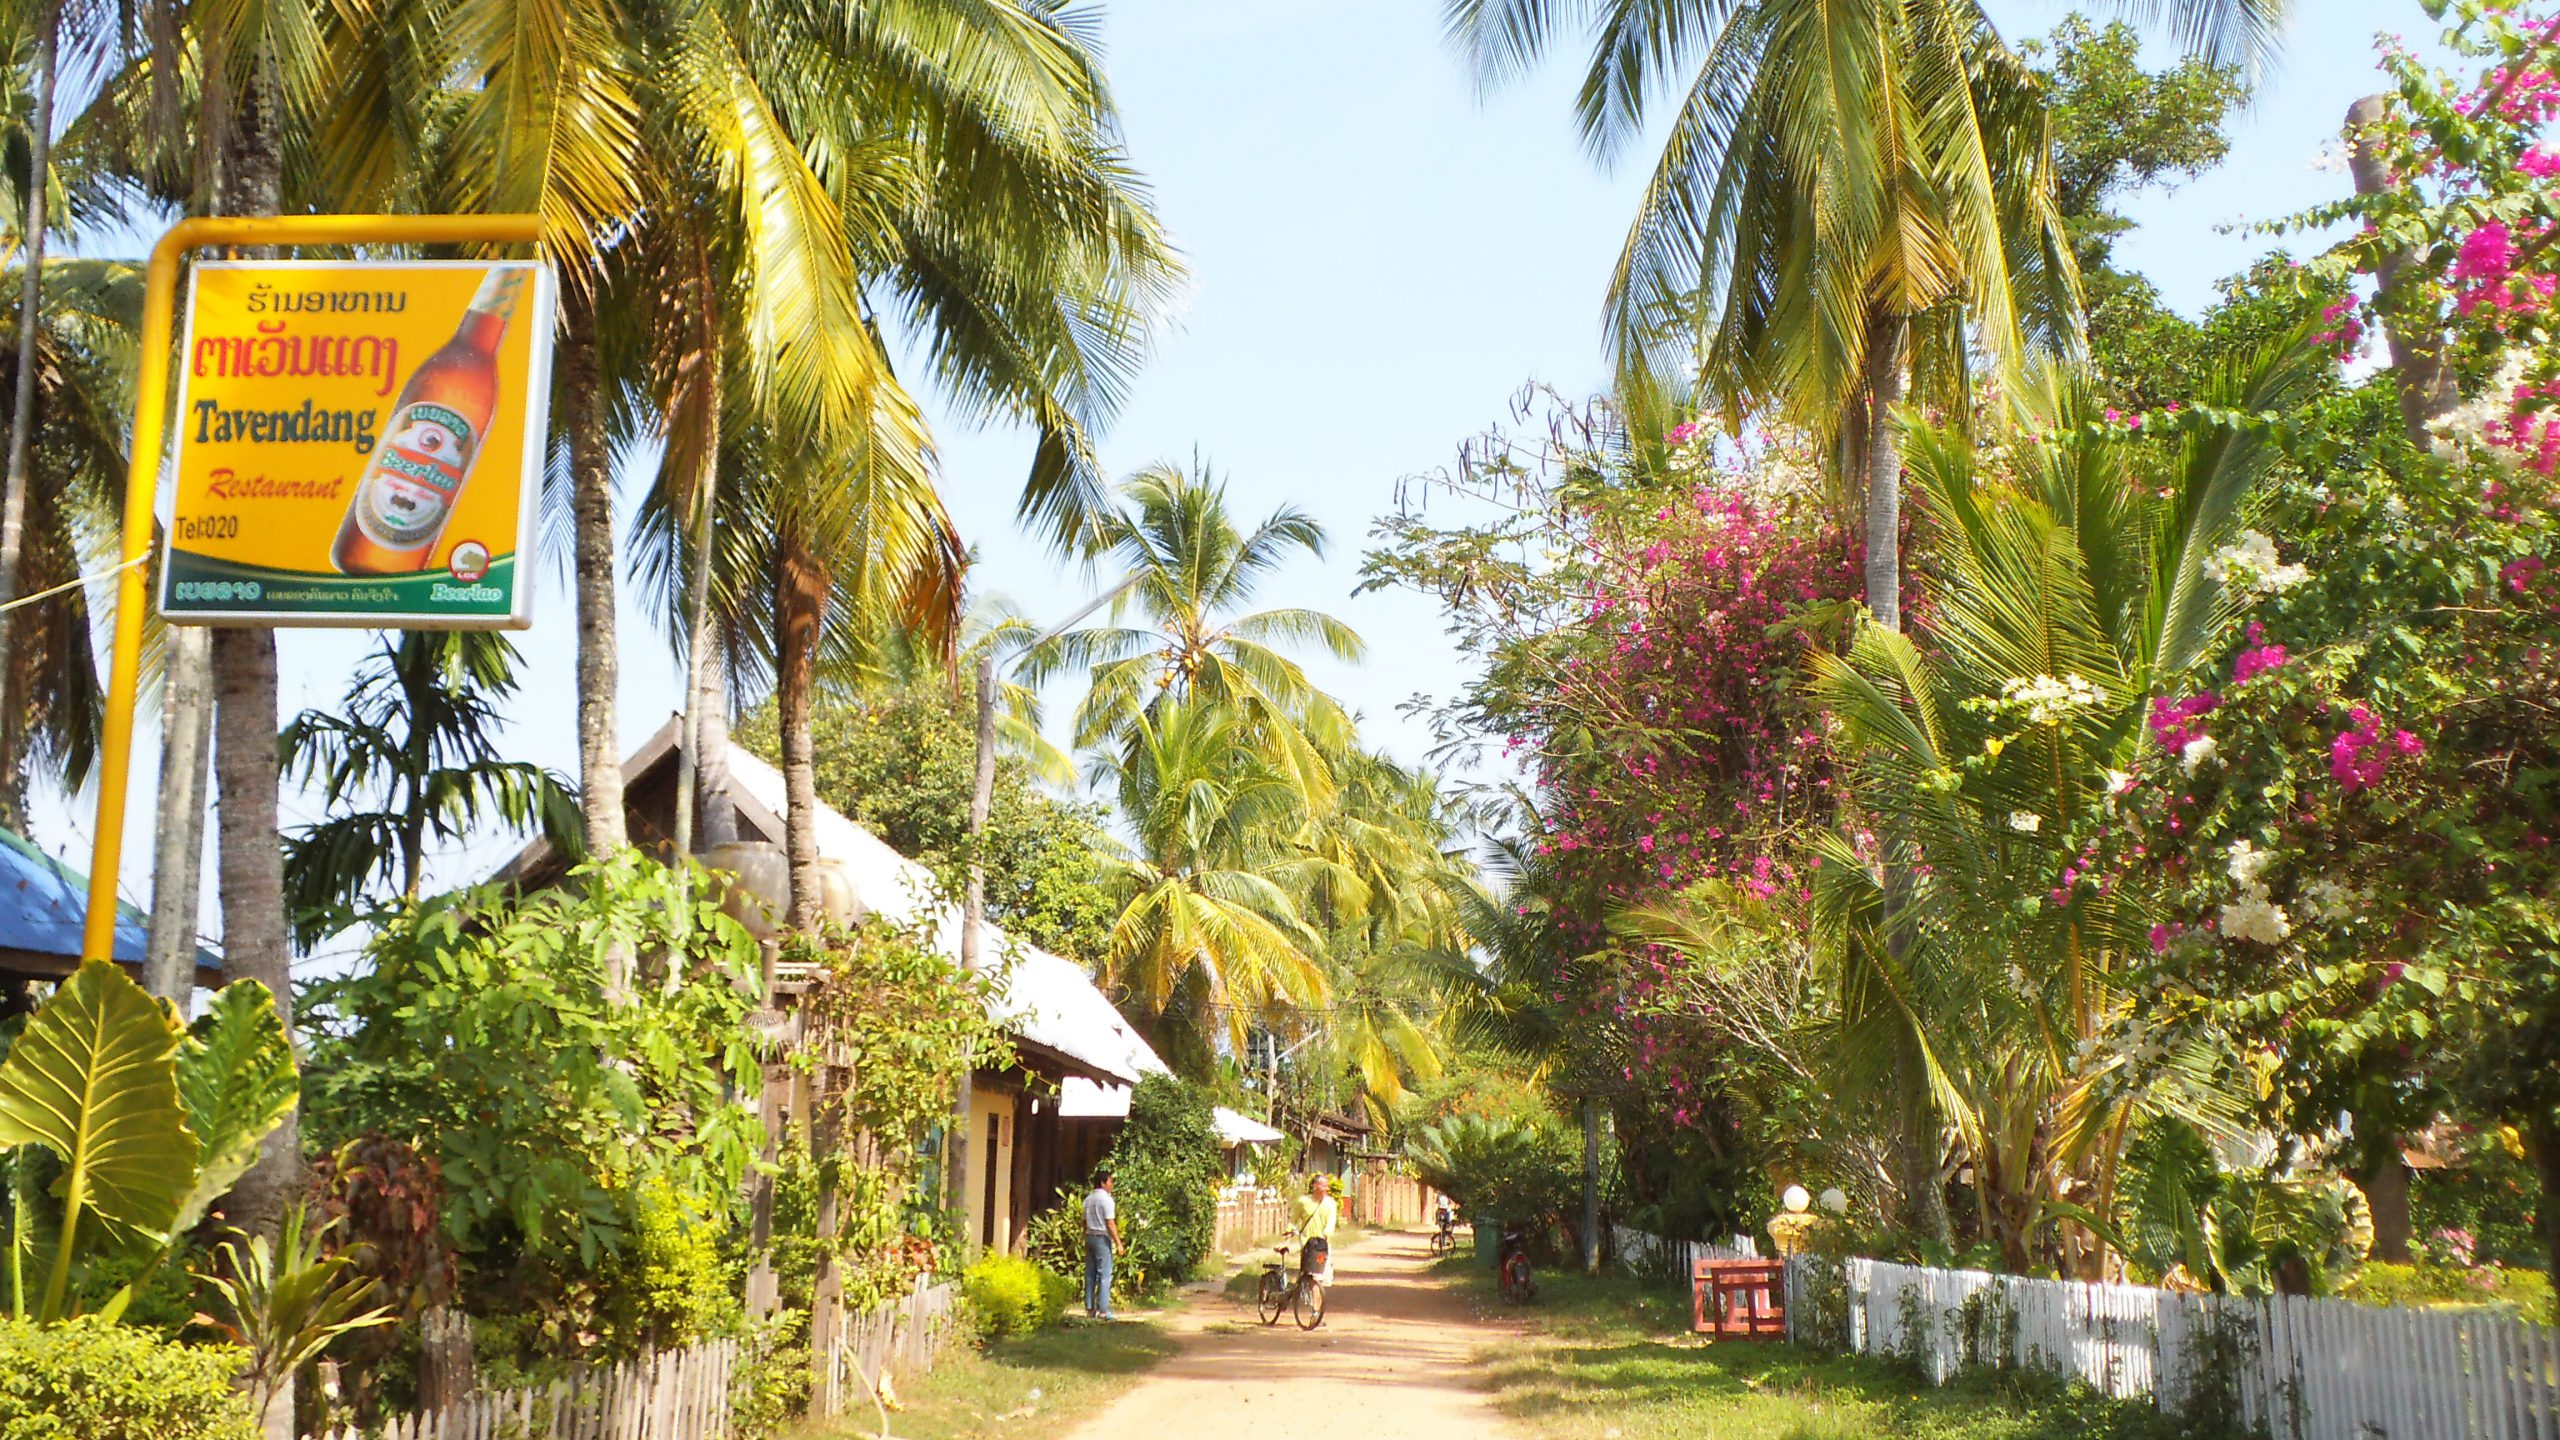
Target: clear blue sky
(1380,260)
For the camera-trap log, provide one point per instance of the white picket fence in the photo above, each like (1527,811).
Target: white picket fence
(1651,1255)
(2303,1369)
(663,1395)
(903,1337)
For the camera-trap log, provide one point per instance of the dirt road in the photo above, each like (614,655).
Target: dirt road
(1390,1363)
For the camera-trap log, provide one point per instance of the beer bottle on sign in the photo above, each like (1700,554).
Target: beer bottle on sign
(406,492)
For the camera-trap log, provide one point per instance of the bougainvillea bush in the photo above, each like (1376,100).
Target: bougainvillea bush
(1643,613)
(2360,855)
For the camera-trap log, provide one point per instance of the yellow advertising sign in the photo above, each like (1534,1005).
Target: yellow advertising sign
(359,444)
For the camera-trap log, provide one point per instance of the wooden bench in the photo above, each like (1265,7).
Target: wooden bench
(1740,1299)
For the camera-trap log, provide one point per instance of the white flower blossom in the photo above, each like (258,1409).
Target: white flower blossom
(2119,781)
(2330,901)
(2025,822)
(2334,158)
(2255,917)
(2250,563)
(2193,755)
(2247,862)
(2471,419)
(2048,700)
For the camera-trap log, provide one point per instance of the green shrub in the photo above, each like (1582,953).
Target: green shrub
(670,1273)
(1502,1168)
(1055,1237)
(1009,1295)
(90,1380)
(771,1382)
(1169,1167)
(2528,1292)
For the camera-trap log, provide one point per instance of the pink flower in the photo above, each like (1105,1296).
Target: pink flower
(1683,433)
(2487,253)
(2539,163)
(2359,756)
(2255,662)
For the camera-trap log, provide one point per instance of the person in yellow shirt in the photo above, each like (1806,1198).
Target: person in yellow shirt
(1321,1213)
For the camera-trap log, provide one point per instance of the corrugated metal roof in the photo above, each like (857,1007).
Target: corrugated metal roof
(43,900)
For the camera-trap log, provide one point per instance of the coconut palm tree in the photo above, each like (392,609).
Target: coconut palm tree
(1850,197)
(1209,938)
(1198,567)
(1017,250)
(83,349)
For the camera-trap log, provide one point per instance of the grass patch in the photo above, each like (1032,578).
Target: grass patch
(1613,1361)
(1035,1385)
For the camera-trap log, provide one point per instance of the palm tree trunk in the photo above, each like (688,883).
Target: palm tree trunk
(698,634)
(800,603)
(715,818)
(177,861)
(13,501)
(1590,1184)
(1884,469)
(591,485)
(1853,465)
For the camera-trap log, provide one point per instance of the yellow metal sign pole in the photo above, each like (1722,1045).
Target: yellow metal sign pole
(150,401)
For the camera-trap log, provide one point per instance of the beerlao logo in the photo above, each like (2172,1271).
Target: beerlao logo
(470,561)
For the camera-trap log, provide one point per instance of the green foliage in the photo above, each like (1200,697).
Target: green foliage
(902,761)
(907,1025)
(165,1131)
(671,1276)
(2234,1232)
(908,1021)
(286,1303)
(1500,1168)
(1009,1295)
(237,1081)
(1055,1238)
(479,1032)
(2527,1292)
(89,1379)
(93,1080)
(1168,1168)
(417,734)
(771,1382)
(2488,1190)
(2118,127)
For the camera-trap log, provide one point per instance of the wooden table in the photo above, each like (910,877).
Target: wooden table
(1742,1299)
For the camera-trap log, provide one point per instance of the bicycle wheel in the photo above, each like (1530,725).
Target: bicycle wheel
(1310,1304)
(1442,1242)
(1274,1297)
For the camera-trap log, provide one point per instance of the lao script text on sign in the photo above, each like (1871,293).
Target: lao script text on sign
(359,444)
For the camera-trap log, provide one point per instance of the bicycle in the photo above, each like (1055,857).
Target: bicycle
(1444,1241)
(1518,1285)
(1304,1296)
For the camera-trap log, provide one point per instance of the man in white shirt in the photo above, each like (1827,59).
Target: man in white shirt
(1101,1242)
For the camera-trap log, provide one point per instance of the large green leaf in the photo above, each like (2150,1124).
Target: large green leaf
(237,1080)
(94,1080)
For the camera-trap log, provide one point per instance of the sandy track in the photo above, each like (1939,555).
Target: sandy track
(1390,1363)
